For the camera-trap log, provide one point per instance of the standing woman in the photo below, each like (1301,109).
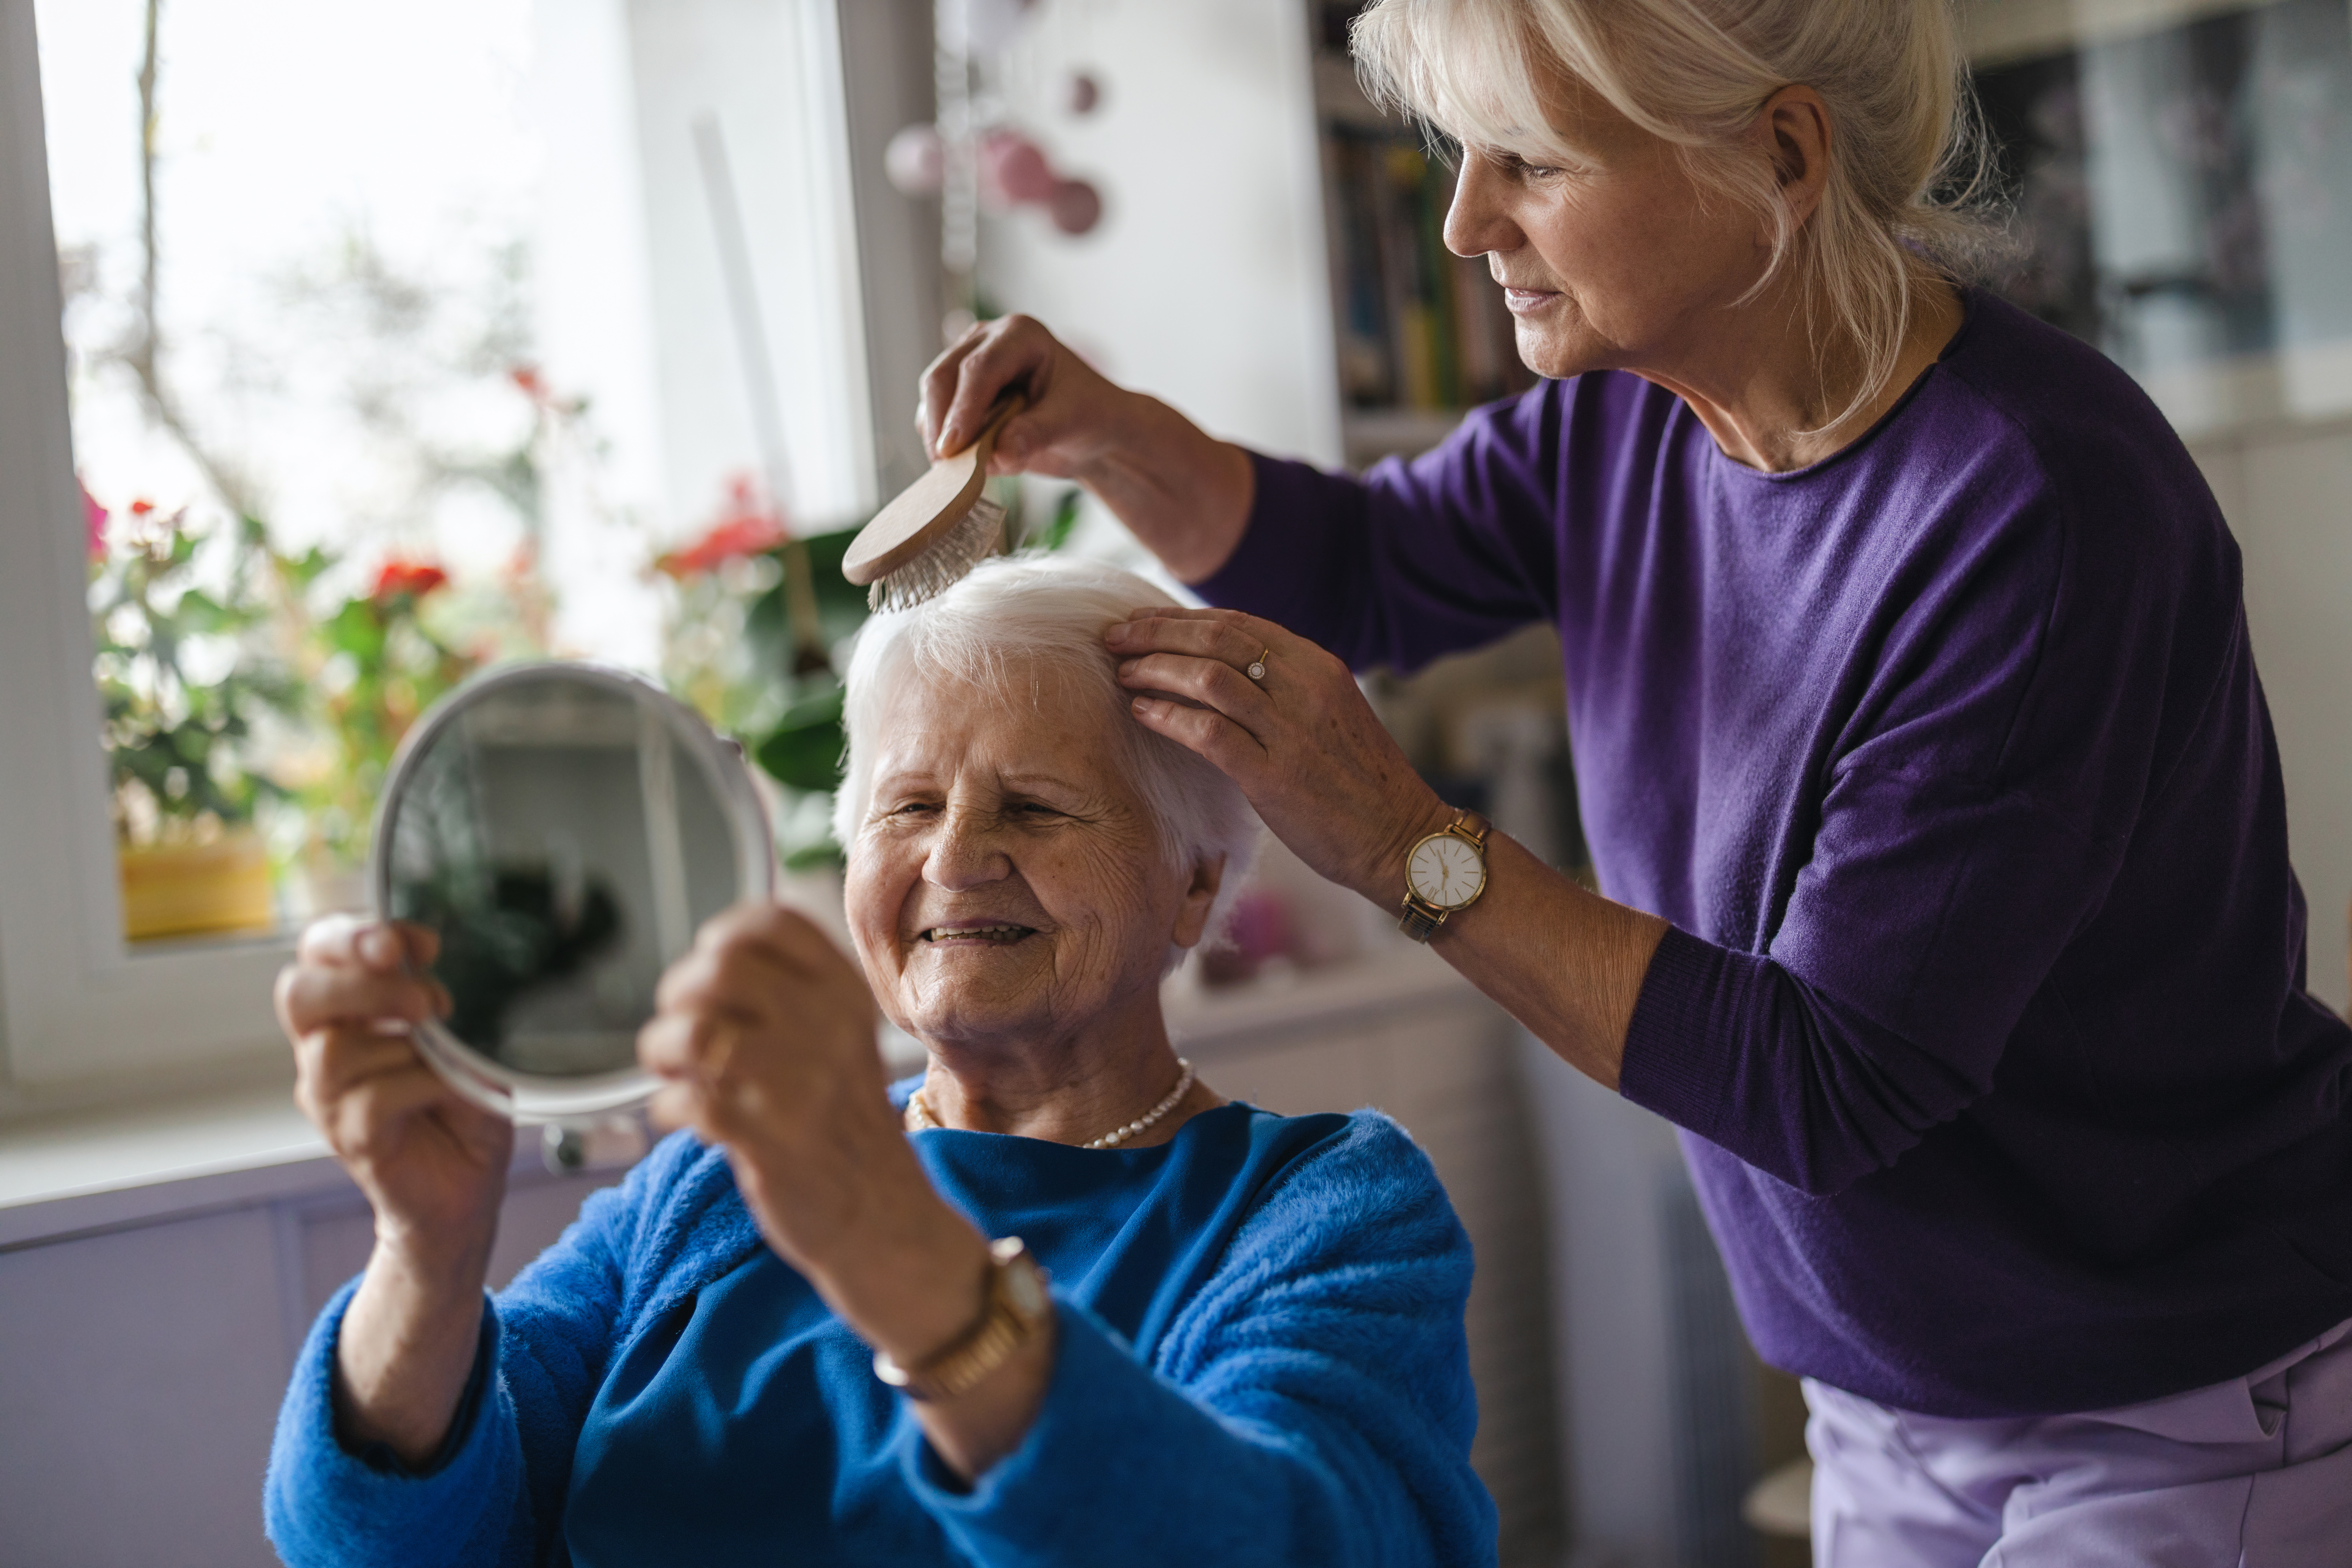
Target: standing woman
(1919,747)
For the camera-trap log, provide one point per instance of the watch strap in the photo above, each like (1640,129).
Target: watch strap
(1420,920)
(1002,1329)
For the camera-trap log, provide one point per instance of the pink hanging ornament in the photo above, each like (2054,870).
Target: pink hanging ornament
(916,160)
(1077,206)
(1015,170)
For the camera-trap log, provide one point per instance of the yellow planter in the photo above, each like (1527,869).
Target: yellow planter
(197,889)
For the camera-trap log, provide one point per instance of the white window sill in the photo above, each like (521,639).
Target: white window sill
(99,1170)
(96,1170)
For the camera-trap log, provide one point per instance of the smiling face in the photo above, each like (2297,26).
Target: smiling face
(1610,255)
(1008,882)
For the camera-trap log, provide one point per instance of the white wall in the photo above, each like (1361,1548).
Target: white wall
(2288,496)
(1205,282)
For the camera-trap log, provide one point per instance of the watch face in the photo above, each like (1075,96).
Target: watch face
(1026,1288)
(1446,871)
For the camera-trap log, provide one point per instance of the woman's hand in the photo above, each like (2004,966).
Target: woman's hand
(1304,745)
(764,1039)
(763,1036)
(1185,494)
(433,1165)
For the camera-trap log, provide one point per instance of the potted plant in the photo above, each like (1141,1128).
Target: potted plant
(183,692)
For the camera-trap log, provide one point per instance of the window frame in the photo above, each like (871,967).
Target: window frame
(76,1004)
(85,1017)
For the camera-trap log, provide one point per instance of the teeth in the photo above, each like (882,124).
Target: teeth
(993,934)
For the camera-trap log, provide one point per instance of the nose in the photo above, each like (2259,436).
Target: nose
(1476,220)
(964,851)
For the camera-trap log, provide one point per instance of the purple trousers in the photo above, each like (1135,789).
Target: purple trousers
(2255,1471)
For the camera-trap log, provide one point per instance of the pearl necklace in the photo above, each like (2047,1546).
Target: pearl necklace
(920,1114)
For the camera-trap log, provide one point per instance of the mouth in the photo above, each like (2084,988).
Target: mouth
(1526,301)
(975,935)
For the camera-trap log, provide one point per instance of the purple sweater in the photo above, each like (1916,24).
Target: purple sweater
(1984,1011)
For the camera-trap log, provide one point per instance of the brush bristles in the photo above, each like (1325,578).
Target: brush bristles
(947,562)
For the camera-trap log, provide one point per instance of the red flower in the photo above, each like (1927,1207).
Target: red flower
(406,579)
(93,522)
(748,525)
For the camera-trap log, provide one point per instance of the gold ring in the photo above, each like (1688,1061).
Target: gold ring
(1257,671)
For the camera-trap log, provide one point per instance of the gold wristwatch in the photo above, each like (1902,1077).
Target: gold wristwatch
(1445,872)
(1017,1304)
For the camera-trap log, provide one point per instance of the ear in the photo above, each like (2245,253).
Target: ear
(1200,896)
(1794,129)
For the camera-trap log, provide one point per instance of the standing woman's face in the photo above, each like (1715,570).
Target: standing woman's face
(1612,259)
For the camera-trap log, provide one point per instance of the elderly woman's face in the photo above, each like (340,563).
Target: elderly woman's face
(1614,259)
(1008,881)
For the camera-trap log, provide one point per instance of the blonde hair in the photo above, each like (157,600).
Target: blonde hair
(1906,160)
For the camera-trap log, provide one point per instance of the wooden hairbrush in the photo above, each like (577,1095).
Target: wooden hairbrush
(937,530)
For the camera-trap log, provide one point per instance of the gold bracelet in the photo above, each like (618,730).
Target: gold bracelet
(1015,1304)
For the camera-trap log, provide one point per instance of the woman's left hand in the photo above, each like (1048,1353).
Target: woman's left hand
(765,1038)
(1299,740)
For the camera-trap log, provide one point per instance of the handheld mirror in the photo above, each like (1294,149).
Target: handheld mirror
(564,829)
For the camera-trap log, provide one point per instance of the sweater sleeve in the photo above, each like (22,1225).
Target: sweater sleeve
(1448,552)
(2044,689)
(495,1491)
(1311,1404)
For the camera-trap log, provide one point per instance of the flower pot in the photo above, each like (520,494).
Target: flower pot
(197,889)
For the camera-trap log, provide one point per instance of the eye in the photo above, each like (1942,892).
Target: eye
(1517,168)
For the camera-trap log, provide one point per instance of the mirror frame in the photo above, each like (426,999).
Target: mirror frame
(525,1098)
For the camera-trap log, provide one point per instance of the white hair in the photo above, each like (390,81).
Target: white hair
(1907,154)
(1044,613)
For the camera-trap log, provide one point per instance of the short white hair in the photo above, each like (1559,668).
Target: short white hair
(1908,157)
(1040,613)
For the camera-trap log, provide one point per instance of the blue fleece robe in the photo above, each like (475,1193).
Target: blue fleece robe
(1261,1361)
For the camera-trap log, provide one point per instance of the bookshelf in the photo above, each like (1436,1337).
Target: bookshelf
(1419,335)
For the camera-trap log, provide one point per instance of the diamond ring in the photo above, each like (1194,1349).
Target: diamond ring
(1257,671)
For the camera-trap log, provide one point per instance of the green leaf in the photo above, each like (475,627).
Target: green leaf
(804,748)
(814,857)
(1057,528)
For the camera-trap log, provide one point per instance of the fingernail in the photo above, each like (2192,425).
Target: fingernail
(379,946)
(1146,707)
(1128,667)
(1117,637)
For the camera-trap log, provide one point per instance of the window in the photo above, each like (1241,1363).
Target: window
(350,346)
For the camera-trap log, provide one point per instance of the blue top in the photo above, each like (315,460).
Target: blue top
(1261,1361)
(1984,1009)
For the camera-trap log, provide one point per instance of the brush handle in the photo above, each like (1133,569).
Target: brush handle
(926,508)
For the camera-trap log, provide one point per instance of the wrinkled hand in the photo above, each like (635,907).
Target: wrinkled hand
(1303,744)
(764,1039)
(433,1164)
(1184,493)
(1070,425)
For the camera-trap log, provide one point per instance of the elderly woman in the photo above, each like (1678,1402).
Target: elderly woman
(1919,747)
(808,1335)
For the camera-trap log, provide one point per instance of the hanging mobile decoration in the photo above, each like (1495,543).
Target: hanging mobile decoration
(972,155)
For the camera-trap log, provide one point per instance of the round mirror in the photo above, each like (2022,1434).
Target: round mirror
(564,829)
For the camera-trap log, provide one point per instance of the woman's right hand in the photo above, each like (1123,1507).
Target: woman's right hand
(1184,493)
(433,1164)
